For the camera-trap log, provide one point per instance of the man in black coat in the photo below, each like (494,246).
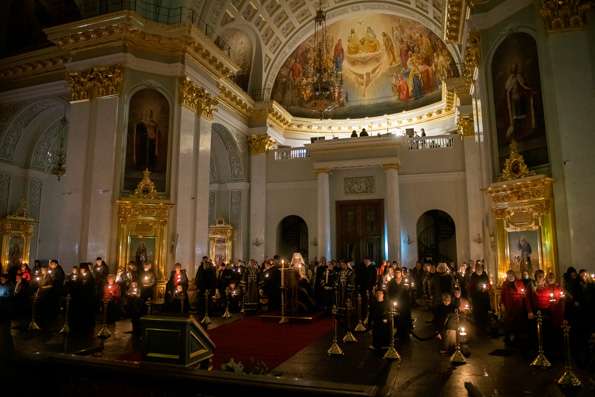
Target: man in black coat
(206,281)
(398,292)
(365,279)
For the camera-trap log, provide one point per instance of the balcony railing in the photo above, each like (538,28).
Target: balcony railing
(292,153)
(431,142)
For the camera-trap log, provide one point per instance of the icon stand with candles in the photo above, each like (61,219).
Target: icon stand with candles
(226,314)
(568,378)
(457,357)
(66,328)
(349,337)
(33,326)
(284,318)
(540,361)
(392,353)
(360,327)
(206,320)
(335,349)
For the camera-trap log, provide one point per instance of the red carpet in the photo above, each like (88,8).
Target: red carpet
(264,339)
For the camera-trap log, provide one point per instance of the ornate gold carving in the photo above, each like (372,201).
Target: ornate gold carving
(455,14)
(514,166)
(391,166)
(95,82)
(465,125)
(235,98)
(35,63)
(259,144)
(561,15)
(197,99)
(472,56)
(17,226)
(221,240)
(144,215)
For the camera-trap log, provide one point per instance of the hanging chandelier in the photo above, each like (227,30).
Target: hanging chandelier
(327,84)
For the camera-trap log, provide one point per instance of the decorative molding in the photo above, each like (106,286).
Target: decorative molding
(359,185)
(455,14)
(514,166)
(99,81)
(33,64)
(197,99)
(391,166)
(233,96)
(465,125)
(259,144)
(472,56)
(564,15)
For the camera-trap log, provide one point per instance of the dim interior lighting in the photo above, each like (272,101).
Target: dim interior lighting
(462,331)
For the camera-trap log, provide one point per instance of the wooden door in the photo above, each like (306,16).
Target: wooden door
(360,227)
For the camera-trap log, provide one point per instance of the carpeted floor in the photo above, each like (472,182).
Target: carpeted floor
(258,339)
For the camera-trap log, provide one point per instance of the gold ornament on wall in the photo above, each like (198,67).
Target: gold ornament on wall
(562,15)
(465,125)
(259,144)
(197,99)
(514,165)
(96,82)
(16,231)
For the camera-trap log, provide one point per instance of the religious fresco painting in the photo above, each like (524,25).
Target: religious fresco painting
(147,142)
(240,52)
(386,64)
(517,100)
(142,250)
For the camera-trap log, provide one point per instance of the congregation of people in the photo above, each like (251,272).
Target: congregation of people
(374,294)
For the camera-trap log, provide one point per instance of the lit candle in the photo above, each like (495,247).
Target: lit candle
(561,294)
(462,331)
(466,306)
(484,286)
(523,291)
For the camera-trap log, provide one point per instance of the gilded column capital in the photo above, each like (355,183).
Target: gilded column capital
(562,15)
(391,166)
(322,170)
(99,81)
(465,125)
(197,99)
(259,144)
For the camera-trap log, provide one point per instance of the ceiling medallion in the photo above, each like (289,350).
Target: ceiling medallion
(327,83)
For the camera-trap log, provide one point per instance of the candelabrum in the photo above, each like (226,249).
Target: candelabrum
(206,320)
(568,378)
(360,327)
(335,349)
(227,314)
(33,324)
(392,353)
(540,361)
(349,337)
(284,318)
(66,328)
(104,332)
(457,357)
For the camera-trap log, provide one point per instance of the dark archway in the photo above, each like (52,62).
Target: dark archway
(292,236)
(436,237)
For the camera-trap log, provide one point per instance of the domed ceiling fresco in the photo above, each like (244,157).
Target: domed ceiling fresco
(386,64)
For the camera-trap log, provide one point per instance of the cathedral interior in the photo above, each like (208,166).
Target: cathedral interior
(308,197)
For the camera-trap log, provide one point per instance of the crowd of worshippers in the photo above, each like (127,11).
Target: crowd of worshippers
(367,291)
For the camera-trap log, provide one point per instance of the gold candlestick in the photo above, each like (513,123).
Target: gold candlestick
(226,314)
(568,378)
(392,353)
(349,337)
(335,350)
(457,357)
(540,361)
(360,327)
(206,320)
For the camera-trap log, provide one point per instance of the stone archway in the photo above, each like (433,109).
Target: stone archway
(436,237)
(292,236)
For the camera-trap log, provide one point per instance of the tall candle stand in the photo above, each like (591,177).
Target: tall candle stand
(568,378)
(349,337)
(392,353)
(65,330)
(335,350)
(540,361)
(284,318)
(206,320)
(33,326)
(457,357)
(104,332)
(360,327)
(226,314)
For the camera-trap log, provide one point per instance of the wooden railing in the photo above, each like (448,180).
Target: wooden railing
(292,153)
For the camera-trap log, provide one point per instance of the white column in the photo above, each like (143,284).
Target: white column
(324,215)
(72,184)
(474,197)
(203,163)
(393,212)
(100,191)
(258,164)
(185,200)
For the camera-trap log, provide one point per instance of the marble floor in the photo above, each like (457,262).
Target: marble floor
(423,371)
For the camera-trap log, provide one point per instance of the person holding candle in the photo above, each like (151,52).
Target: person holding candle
(479,289)
(112,294)
(379,321)
(148,282)
(25,272)
(100,272)
(176,289)
(82,304)
(515,305)
(206,281)
(127,276)
(445,324)
(134,307)
(249,285)
(398,292)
